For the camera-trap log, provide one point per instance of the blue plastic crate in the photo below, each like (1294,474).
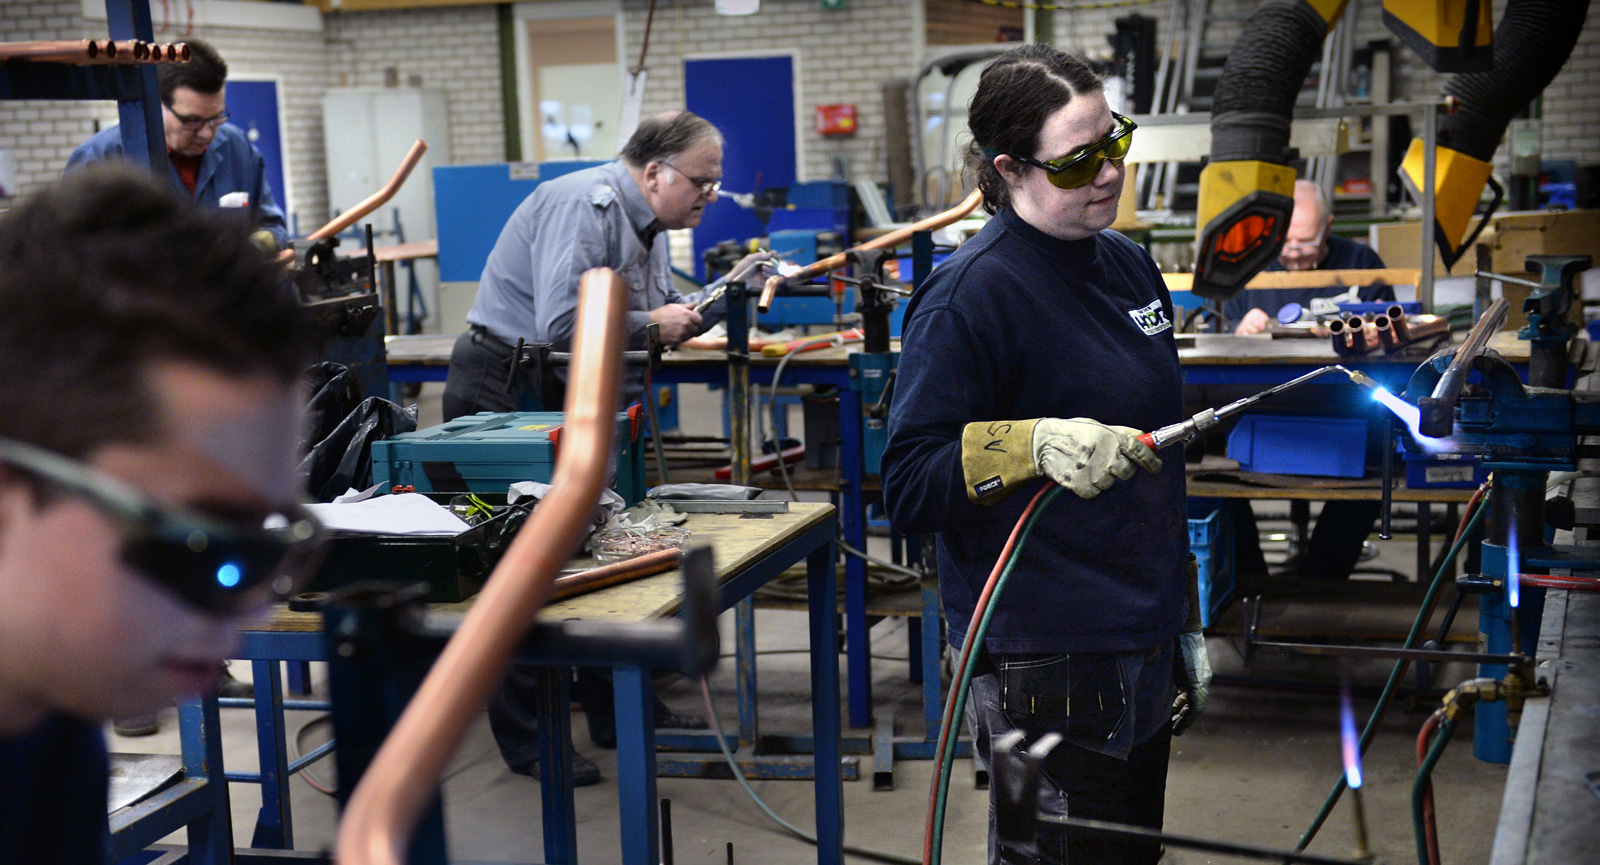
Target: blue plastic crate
(1300,445)
(1211,541)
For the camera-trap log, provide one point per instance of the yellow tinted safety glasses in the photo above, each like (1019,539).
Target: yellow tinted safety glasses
(1080,168)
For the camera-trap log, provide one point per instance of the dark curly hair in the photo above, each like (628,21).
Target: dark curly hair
(1016,94)
(108,273)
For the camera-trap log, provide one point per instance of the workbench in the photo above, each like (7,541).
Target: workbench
(748,551)
(1215,359)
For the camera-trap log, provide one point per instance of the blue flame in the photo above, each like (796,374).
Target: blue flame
(1350,744)
(228,575)
(1513,572)
(1412,417)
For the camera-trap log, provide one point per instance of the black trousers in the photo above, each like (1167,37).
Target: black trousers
(480,367)
(1088,700)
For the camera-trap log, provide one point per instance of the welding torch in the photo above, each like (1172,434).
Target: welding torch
(719,286)
(1186,430)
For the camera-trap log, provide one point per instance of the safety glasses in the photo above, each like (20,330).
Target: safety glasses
(216,567)
(1080,168)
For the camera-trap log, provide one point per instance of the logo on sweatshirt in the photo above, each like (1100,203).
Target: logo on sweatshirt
(1150,318)
(983,488)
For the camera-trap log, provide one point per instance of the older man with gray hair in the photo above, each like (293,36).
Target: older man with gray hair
(612,215)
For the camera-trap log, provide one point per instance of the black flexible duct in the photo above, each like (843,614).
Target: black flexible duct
(1531,44)
(1255,95)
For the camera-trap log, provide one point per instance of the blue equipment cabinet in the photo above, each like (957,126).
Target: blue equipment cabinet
(489,451)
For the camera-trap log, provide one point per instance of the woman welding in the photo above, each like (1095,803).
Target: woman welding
(1036,354)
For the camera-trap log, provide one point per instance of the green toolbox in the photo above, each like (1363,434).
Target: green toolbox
(489,451)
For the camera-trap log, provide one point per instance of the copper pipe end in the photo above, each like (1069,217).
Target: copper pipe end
(178,52)
(1402,327)
(1385,334)
(768,290)
(131,48)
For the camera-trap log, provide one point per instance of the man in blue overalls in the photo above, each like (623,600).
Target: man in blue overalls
(212,161)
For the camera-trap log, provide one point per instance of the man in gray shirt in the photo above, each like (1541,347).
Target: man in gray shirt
(612,215)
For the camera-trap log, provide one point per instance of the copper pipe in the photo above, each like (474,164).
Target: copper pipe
(372,202)
(177,52)
(614,574)
(404,775)
(1340,337)
(1426,327)
(58,51)
(893,238)
(1397,320)
(1386,334)
(133,48)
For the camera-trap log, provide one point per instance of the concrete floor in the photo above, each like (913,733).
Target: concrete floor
(1255,769)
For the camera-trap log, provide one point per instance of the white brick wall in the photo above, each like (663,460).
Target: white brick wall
(456,50)
(844,57)
(41,134)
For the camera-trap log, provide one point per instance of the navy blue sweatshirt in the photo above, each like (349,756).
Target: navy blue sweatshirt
(1018,325)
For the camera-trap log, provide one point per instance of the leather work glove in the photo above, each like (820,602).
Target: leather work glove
(1194,681)
(1193,671)
(1083,455)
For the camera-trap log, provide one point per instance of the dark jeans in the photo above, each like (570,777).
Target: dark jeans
(1094,705)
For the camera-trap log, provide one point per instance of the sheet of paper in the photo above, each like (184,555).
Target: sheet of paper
(403,514)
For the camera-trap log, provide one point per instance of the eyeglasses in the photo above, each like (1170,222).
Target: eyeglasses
(193,124)
(1079,169)
(214,567)
(1309,247)
(707,185)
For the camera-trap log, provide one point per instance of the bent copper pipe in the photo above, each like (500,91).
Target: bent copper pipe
(614,574)
(893,238)
(404,775)
(372,202)
(1397,320)
(178,52)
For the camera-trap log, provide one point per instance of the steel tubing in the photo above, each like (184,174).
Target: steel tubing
(893,238)
(404,775)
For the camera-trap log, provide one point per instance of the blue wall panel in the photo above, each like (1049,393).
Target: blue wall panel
(751,99)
